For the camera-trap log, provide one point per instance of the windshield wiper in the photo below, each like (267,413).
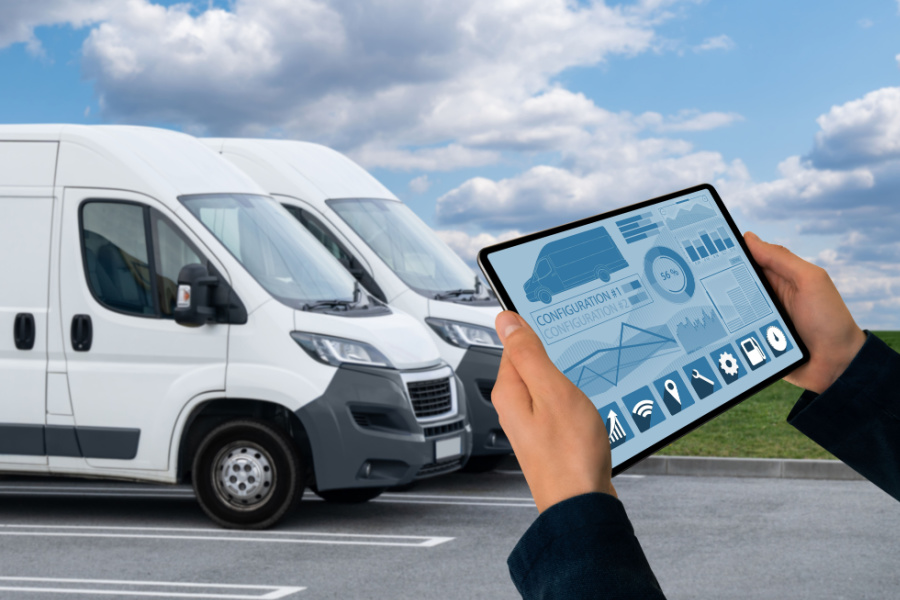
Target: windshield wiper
(335,303)
(452,294)
(326,304)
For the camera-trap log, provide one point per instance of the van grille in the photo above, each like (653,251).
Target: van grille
(430,398)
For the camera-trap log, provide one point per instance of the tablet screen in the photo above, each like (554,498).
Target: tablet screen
(656,313)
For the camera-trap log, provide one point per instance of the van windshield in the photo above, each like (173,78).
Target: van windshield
(277,251)
(409,247)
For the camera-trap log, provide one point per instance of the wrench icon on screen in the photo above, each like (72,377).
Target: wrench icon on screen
(696,375)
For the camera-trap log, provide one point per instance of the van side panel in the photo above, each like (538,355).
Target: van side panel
(25,225)
(27,164)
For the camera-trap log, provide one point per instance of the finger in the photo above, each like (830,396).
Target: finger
(526,353)
(510,395)
(775,258)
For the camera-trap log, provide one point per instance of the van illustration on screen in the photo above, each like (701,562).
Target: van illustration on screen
(573,261)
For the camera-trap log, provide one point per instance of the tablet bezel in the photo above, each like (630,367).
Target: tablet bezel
(505,300)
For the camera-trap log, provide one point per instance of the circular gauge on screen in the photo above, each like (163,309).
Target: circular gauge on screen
(669,274)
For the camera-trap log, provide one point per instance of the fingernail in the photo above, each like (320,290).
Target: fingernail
(507,322)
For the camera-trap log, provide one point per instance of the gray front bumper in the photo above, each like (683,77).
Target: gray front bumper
(478,372)
(365,417)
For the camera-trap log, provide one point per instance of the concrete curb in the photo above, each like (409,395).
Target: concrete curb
(702,466)
(780,468)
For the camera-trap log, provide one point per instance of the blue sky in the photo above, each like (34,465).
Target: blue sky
(494,119)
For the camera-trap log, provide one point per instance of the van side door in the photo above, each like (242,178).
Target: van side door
(26,214)
(131,367)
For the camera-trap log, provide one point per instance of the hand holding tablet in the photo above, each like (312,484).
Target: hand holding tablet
(655,311)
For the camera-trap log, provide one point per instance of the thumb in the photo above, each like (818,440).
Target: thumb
(526,353)
(775,258)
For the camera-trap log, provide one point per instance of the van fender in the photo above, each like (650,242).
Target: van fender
(261,383)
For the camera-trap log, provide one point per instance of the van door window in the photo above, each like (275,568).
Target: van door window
(543,268)
(173,251)
(117,238)
(116,256)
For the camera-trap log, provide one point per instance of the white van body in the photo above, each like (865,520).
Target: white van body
(313,181)
(98,379)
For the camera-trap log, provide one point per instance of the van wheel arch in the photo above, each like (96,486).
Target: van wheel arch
(602,274)
(213,413)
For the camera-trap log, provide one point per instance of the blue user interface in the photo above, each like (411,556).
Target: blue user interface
(656,314)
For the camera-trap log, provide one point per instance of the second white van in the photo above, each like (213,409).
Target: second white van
(395,255)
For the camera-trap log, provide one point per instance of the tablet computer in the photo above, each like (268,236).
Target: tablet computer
(655,310)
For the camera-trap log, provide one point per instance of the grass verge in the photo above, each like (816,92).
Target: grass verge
(756,428)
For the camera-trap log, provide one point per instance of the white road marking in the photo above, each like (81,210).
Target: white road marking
(267,592)
(222,535)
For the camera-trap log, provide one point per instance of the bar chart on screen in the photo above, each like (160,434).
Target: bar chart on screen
(708,243)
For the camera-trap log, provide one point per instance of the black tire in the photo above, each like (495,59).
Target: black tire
(350,495)
(262,459)
(483,464)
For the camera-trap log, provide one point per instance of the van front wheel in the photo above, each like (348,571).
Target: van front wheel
(247,474)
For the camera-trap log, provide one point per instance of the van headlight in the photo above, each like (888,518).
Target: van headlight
(464,335)
(339,351)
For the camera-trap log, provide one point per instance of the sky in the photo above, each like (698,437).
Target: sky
(494,119)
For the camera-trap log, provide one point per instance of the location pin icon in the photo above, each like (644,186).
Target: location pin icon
(672,390)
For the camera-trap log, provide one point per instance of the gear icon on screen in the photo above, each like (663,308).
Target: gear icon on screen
(728,364)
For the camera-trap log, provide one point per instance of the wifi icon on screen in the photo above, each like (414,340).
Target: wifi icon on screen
(644,411)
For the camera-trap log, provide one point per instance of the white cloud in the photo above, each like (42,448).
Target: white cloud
(720,42)
(848,188)
(18,20)
(420,184)
(467,246)
(689,120)
(599,179)
(346,72)
(445,158)
(862,131)
(865,23)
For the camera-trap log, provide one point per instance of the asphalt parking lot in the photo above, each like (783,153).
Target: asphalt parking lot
(445,538)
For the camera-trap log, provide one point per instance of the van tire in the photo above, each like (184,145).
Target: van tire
(602,274)
(267,481)
(545,296)
(350,495)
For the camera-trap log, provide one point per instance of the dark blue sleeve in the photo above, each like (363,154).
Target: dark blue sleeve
(583,547)
(858,418)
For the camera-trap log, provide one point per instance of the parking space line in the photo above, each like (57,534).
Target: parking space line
(453,497)
(222,535)
(449,503)
(268,592)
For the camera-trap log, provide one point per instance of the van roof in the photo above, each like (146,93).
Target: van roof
(158,162)
(314,171)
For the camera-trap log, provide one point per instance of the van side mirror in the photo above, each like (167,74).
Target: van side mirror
(194,300)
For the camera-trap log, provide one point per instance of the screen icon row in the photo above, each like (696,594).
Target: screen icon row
(727,364)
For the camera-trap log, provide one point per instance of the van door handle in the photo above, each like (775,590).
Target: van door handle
(82,333)
(23,331)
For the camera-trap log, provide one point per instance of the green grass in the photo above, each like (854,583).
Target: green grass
(757,428)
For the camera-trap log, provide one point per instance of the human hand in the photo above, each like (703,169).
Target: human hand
(817,310)
(558,436)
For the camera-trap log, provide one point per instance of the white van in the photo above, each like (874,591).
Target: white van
(395,256)
(167,321)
